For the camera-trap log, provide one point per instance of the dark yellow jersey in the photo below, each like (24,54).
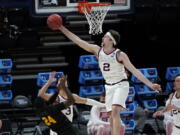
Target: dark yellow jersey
(55,119)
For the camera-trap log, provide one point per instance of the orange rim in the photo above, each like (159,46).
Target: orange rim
(88,6)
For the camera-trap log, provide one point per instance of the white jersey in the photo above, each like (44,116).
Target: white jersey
(168,115)
(112,70)
(69,111)
(176,114)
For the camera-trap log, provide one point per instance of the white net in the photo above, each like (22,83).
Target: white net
(95,18)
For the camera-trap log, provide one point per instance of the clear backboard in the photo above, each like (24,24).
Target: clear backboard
(66,7)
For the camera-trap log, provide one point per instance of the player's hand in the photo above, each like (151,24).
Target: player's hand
(169,107)
(62,83)
(158,113)
(156,87)
(51,76)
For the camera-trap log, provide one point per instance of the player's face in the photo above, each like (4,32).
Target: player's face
(106,40)
(102,99)
(177,83)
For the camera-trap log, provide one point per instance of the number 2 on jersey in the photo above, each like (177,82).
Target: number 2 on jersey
(48,120)
(106,67)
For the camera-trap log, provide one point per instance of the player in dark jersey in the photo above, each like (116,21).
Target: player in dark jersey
(51,113)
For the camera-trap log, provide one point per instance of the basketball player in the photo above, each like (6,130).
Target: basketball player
(174,107)
(99,120)
(51,113)
(168,120)
(62,97)
(112,63)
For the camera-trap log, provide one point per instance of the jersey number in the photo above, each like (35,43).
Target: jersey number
(175,112)
(68,111)
(48,120)
(106,67)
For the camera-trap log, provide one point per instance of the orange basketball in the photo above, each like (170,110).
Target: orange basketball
(54,21)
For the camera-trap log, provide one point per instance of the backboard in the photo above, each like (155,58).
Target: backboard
(66,7)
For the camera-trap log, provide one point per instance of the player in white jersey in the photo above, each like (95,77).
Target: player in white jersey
(62,97)
(99,120)
(168,120)
(116,86)
(174,107)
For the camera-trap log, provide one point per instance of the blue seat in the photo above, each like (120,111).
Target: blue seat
(130,126)
(5,65)
(171,72)
(91,91)
(131,95)
(144,91)
(151,104)
(150,73)
(43,78)
(169,87)
(5,80)
(88,62)
(6,95)
(90,77)
(128,113)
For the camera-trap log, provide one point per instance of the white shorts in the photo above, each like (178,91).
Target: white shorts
(116,95)
(176,131)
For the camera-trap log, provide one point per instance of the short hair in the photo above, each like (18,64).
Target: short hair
(176,76)
(103,94)
(116,36)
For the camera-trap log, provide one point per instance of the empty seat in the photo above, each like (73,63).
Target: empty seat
(91,91)
(90,77)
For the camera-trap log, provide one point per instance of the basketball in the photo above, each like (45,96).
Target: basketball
(54,21)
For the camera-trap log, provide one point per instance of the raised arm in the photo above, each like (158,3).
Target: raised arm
(42,91)
(92,48)
(62,86)
(124,58)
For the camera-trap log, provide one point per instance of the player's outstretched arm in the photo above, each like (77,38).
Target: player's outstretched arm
(42,91)
(87,101)
(81,43)
(62,86)
(124,58)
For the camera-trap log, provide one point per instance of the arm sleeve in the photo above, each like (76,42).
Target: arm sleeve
(92,102)
(95,111)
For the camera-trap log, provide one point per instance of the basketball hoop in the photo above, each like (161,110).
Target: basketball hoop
(95,14)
